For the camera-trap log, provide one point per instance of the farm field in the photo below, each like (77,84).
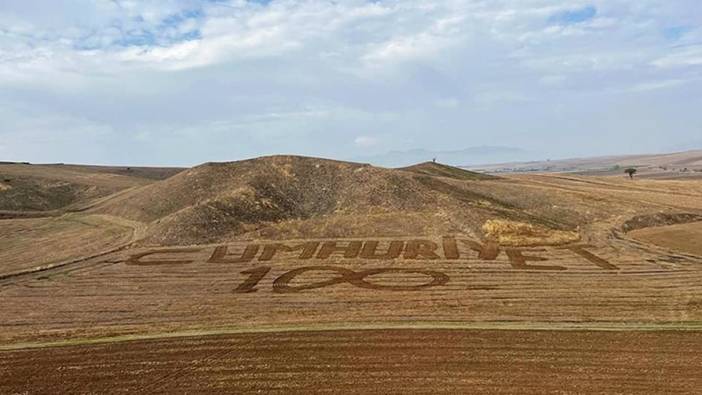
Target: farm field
(262,275)
(176,289)
(363,361)
(682,237)
(32,244)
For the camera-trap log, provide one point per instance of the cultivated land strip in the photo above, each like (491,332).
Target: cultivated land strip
(369,361)
(374,326)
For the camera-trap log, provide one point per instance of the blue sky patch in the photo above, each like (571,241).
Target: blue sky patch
(674,33)
(137,33)
(574,16)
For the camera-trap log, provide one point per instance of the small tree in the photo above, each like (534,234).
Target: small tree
(630,171)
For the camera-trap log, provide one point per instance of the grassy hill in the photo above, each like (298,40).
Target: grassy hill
(439,170)
(291,196)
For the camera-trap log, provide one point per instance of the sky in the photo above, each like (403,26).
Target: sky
(185,82)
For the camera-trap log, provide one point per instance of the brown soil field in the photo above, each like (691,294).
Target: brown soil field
(681,237)
(368,361)
(595,280)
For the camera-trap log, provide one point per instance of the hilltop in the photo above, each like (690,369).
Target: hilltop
(293,197)
(440,170)
(297,197)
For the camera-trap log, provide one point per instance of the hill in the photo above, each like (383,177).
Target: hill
(39,188)
(298,197)
(437,169)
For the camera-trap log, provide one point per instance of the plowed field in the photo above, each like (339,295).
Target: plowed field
(369,361)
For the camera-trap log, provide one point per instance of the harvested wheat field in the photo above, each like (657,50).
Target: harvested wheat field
(33,244)
(682,237)
(293,274)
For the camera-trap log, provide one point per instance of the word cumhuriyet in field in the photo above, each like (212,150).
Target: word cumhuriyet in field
(448,249)
(418,249)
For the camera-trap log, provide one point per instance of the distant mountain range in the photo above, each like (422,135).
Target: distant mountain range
(464,157)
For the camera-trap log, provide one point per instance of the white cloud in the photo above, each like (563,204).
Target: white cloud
(655,85)
(365,141)
(491,98)
(306,76)
(681,57)
(553,79)
(447,102)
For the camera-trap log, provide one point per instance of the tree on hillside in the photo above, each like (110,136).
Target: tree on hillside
(630,171)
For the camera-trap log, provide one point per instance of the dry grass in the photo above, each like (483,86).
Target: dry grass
(221,201)
(29,244)
(51,187)
(681,237)
(510,233)
(439,170)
